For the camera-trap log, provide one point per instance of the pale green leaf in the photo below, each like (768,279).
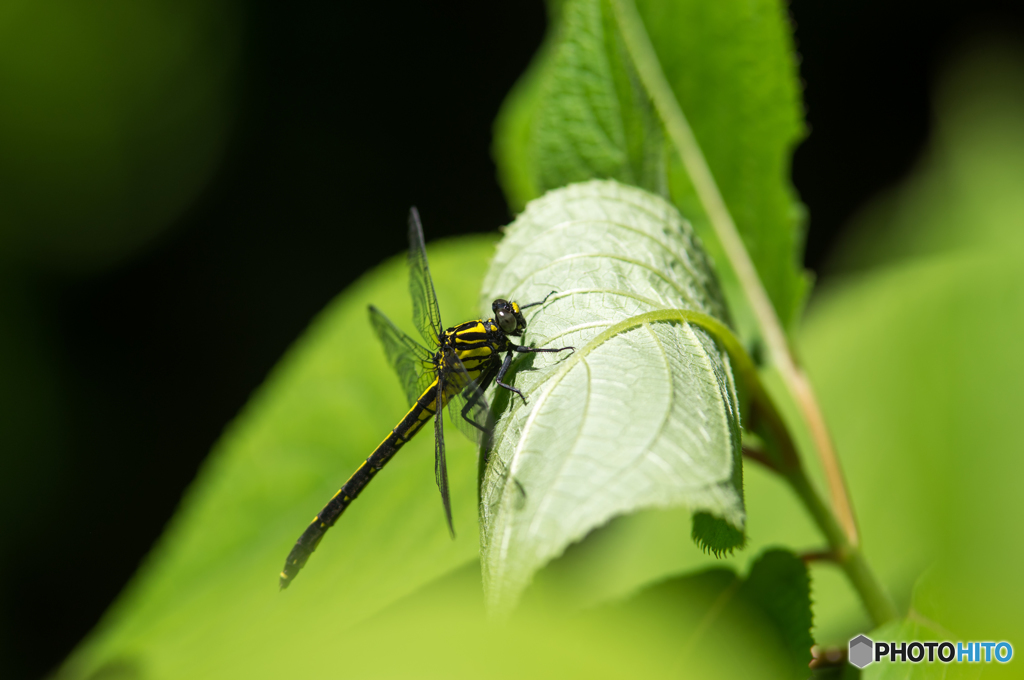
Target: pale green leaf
(642,415)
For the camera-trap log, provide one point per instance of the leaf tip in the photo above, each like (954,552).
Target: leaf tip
(715,535)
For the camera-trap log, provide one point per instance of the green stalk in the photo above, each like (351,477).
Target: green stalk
(849,557)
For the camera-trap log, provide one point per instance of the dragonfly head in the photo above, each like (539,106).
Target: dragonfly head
(508,316)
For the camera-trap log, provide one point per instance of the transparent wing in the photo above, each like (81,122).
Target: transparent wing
(413,362)
(425,313)
(440,464)
(462,396)
(468,408)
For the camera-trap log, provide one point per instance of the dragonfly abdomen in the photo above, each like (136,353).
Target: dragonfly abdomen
(422,410)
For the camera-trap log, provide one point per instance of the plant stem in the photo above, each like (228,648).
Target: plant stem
(648,67)
(848,556)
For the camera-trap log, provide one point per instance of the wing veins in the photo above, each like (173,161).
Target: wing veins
(440,464)
(413,362)
(425,313)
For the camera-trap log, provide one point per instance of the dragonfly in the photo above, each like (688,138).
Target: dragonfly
(461,363)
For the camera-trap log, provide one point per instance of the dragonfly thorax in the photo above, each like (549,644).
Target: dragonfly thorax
(508,317)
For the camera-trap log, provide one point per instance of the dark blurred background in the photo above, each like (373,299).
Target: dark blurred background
(184,185)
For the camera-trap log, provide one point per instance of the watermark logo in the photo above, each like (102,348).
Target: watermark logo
(861,651)
(864,651)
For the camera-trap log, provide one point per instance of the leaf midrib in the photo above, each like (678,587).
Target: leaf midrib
(552,381)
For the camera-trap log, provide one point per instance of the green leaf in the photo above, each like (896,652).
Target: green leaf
(642,415)
(735,78)
(207,597)
(578,113)
(715,535)
(779,583)
(917,625)
(633,551)
(710,625)
(710,615)
(593,117)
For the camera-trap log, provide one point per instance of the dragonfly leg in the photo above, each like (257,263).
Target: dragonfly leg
(534,304)
(520,498)
(525,349)
(501,374)
(475,395)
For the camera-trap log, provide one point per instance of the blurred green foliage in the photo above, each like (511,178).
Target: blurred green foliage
(112,119)
(917,626)
(917,362)
(913,353)
(965,193)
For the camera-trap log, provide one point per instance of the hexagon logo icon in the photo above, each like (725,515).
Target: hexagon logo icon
(861,648)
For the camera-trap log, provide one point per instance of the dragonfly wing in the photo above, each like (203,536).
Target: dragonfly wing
(440,464)
(413,362)
(425,312)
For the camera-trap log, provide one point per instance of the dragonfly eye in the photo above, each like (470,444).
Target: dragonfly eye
(506,320)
